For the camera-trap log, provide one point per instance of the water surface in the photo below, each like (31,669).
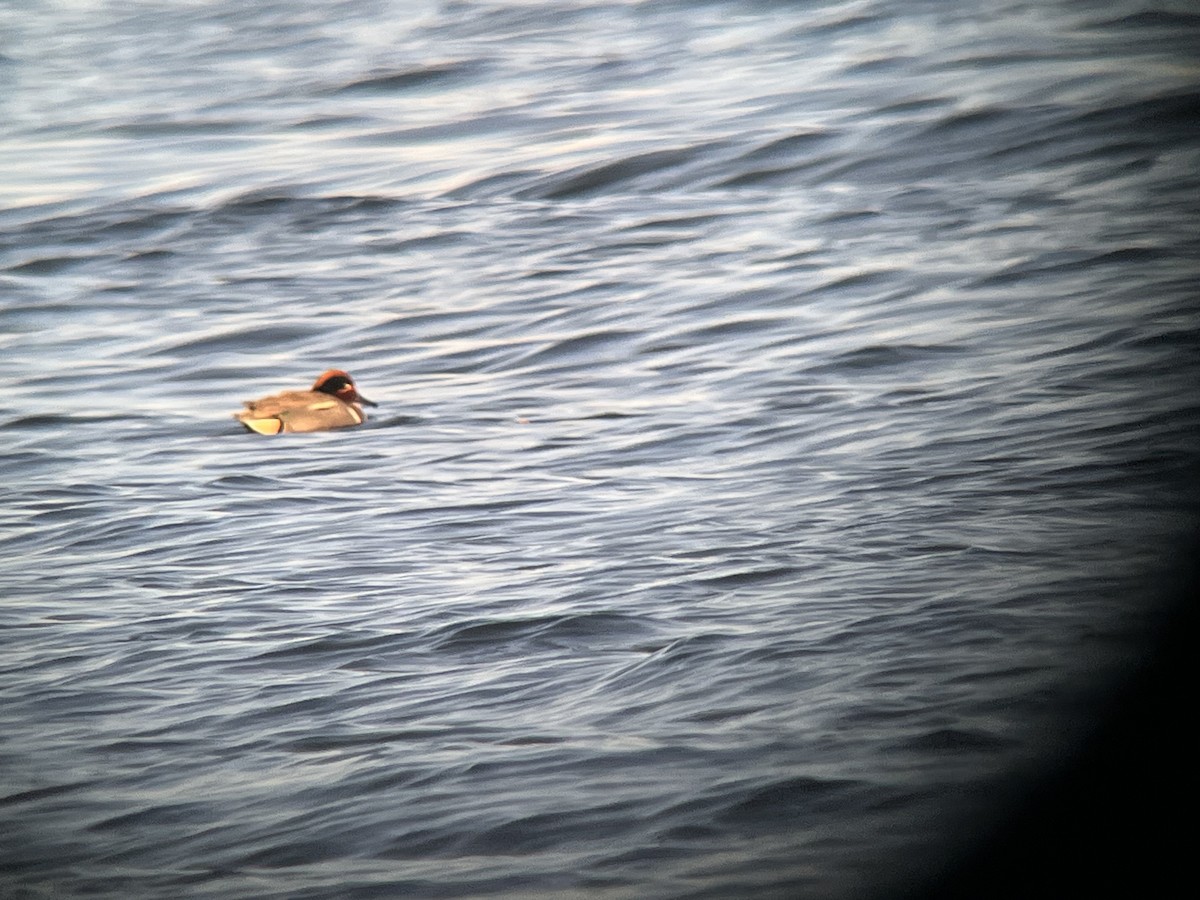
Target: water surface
(787,416)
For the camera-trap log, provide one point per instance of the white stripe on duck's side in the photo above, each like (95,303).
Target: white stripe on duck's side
(333,402)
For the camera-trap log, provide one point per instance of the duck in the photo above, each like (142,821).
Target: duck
(332,402)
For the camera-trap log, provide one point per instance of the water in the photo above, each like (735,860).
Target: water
(787,416)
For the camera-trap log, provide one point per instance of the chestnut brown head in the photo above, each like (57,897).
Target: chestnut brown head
(340,385)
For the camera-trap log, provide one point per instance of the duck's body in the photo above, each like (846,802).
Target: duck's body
(333,402)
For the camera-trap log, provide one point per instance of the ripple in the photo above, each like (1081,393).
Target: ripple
(399,81)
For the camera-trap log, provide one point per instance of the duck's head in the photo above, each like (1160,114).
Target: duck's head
(340,385)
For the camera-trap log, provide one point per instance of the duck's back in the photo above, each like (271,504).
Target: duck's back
(287,400)
(299,411)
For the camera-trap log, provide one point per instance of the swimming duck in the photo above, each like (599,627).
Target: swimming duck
(333,402)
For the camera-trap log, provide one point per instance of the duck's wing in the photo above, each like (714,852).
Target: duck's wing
(298,411)
(288,400)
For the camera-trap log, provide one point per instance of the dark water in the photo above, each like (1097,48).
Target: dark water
(787,413)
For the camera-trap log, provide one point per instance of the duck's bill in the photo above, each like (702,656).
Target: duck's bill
(365,402)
